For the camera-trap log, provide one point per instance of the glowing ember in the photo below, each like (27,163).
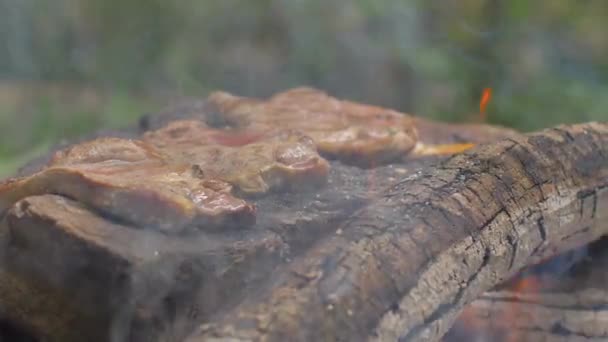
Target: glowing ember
(481,321)
(527,284)
(483,103)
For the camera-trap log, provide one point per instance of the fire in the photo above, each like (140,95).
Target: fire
(529,283)
(486,95)
(481,322)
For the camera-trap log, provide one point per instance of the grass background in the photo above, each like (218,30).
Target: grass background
(71,66)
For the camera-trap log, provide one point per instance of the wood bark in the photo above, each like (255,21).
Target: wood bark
(392,253)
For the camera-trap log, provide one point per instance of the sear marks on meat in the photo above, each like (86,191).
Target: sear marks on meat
(185,174)
(134,182)
(253,162)
(355,133)
(352,132)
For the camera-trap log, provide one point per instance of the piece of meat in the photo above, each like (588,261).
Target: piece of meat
(133,181)
(178,176)
(354,133)
(253,162)
(433,133)
(349,131)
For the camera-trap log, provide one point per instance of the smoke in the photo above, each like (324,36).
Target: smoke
(545,62)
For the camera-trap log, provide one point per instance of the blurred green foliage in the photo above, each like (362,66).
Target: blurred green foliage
(71,66)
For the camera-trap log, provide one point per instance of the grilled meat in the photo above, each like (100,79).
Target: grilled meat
(349,131)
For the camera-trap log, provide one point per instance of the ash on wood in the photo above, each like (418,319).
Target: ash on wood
(388,253)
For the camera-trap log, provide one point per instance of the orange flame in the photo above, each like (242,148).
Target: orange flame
(528,284)
(486,95)
(481,320)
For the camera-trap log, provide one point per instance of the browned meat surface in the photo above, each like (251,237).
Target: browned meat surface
(253,162)
(349,131)
(132,181)
(441,133)
(181,175)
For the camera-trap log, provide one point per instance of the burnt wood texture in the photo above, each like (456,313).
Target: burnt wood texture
(384,253)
